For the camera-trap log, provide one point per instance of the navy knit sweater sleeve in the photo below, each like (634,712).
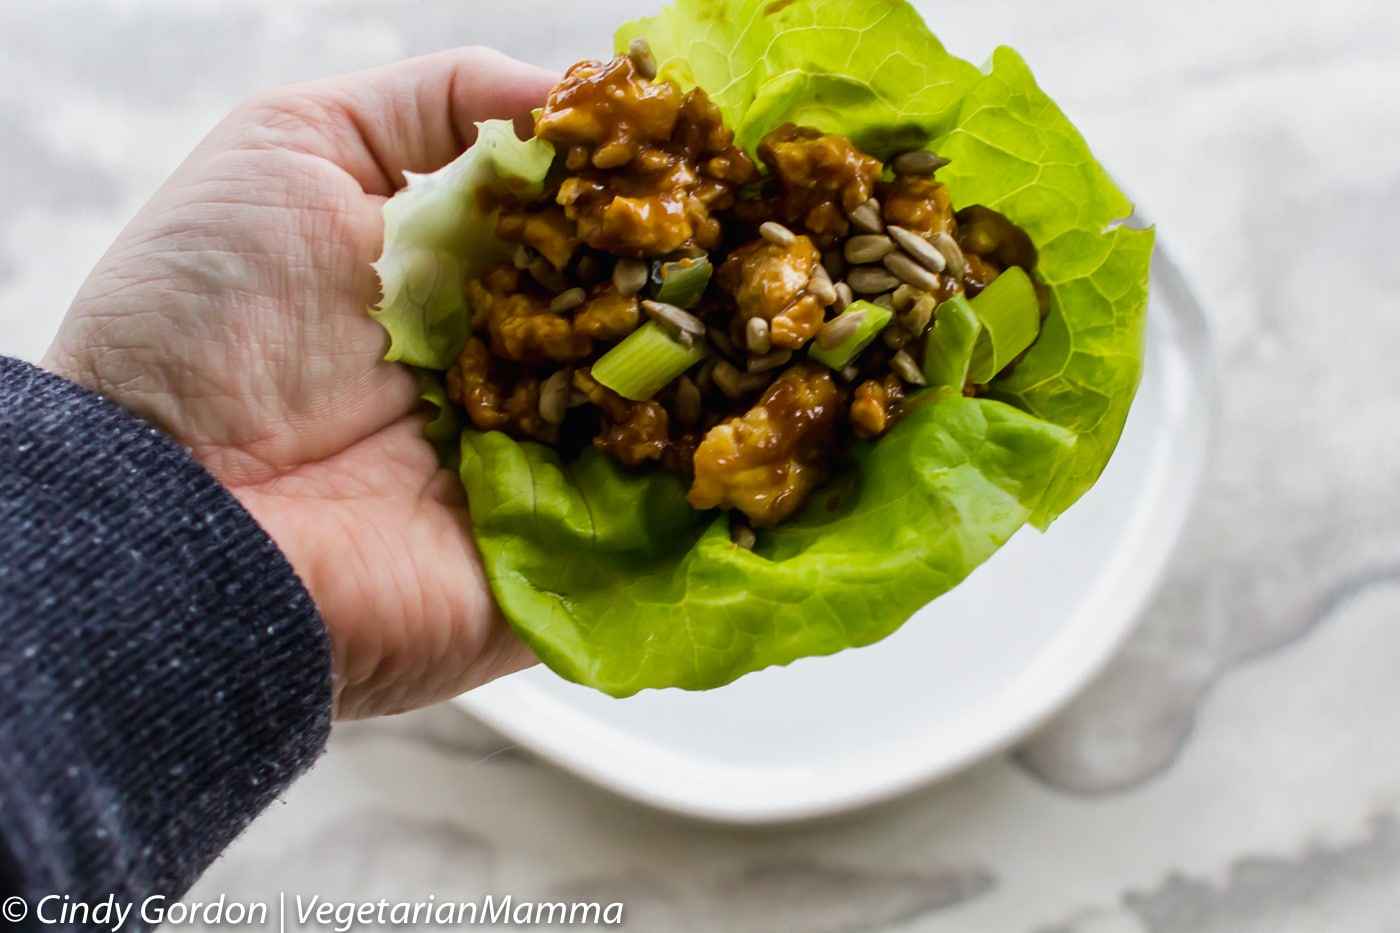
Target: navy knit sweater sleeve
(163,673)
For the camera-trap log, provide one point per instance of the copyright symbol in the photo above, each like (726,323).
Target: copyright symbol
(14,909)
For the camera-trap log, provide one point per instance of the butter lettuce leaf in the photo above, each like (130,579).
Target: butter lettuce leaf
(1014,151)
(443,428)
(868,70)
(615,582)
(611,577)
(874,72)
(439,231)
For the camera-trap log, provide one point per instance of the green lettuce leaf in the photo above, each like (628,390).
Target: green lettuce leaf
(440,231)
(868,70)
(444,429)
(1014,151)
(610,576)
(615,582)
(872,71)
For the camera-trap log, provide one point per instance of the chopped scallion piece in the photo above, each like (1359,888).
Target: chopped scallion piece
(645,361)
(1010,318)
(872,319)
(684,281)
(951,341)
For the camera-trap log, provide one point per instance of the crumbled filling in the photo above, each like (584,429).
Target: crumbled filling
(604,114)
(519,322)
(918,203)
(498,396)
(873,407)
(633,432)
(651,181)
(765,461)
(820,179)
(651,166)
(545,229)
(607,315)
(769,281)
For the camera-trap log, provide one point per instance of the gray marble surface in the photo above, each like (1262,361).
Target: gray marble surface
(1235,769)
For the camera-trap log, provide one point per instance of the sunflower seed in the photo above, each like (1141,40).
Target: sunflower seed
(957,265)
(703,379)
(912,272)
(629,277)
(918,162)
(742,536)
(894,336)
(577,398)
(776,233)
(839,329)
(870,280)
(639,50)
(834,264)
(756,381)
(916,319)
(678,320)
(522,256)
(905,296)
(771,360)
(867,247)
(568,300)
(722,343)
(589,270)
(736,384)
(844,297)
(554,396)
(849,373)
(687,401)
(544,273)
(820,288)
(867,217)
(756,336)
(919,248)
(905,368)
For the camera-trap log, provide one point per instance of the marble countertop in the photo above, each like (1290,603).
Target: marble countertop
(1234,769)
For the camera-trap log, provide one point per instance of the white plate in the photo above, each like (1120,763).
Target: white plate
(969,674)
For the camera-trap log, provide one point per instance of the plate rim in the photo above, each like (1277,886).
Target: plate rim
(501,707)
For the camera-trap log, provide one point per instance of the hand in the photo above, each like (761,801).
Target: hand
(231,313)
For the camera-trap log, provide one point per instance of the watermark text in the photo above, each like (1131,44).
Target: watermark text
(305,912)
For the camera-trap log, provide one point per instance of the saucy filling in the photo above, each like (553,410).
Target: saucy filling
(671,303)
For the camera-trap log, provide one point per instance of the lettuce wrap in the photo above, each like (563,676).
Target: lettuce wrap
(607,572)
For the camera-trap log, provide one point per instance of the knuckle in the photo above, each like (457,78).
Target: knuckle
(288,110)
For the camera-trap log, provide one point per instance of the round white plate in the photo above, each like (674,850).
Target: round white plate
(969,674)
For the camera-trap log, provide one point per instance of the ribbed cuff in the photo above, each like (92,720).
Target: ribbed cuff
(164,675)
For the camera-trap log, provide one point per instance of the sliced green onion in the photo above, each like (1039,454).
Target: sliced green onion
(645,361)
(684,281)
(873,319)
(1010,318)
(951,342)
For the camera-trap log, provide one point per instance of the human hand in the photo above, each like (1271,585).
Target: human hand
(231,314)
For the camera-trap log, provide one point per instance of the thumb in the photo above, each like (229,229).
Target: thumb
(415,115)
